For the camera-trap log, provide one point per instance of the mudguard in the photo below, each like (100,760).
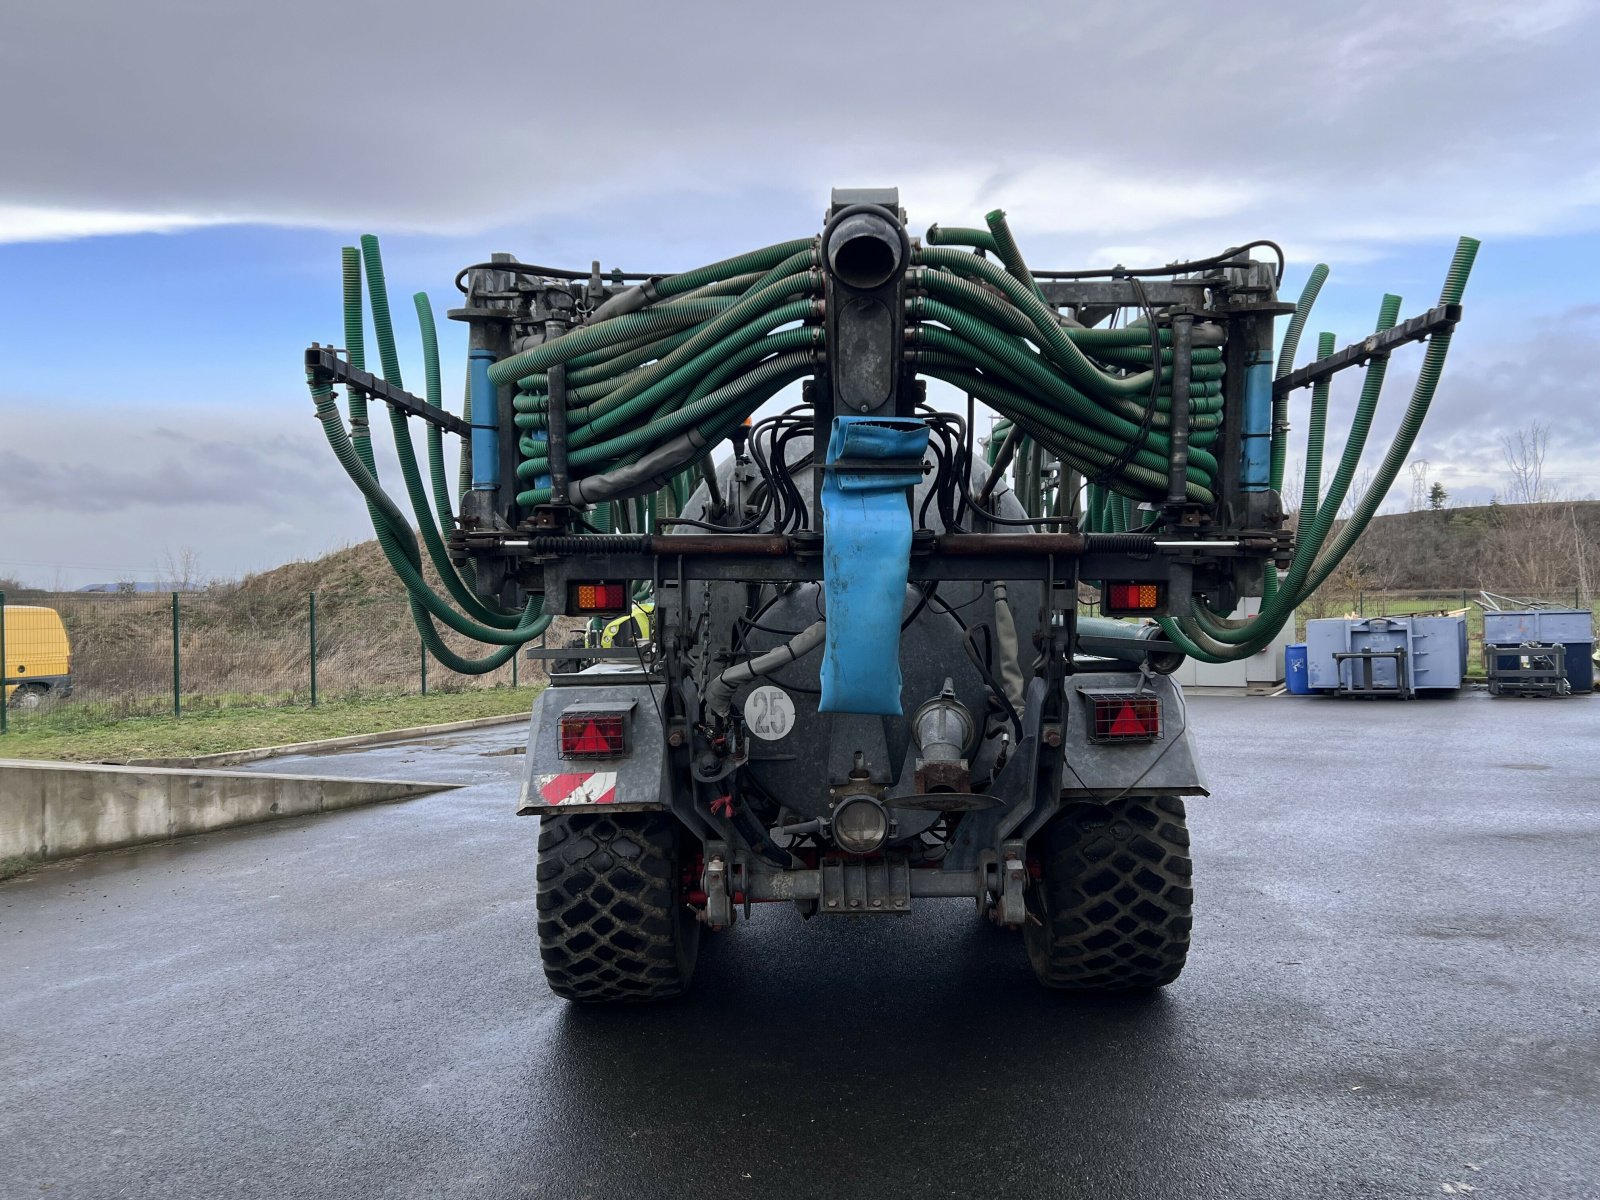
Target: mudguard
(631,782)
(1166,766)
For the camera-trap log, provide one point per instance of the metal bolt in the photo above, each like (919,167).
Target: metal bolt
(833,904)
(1052,735)
(855,904)
(877,904)
(675,738)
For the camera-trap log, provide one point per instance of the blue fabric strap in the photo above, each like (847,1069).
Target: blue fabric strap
(866,528)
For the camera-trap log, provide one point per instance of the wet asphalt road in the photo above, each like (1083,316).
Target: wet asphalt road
(1395,991)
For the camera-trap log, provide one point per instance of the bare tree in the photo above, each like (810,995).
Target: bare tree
(1524,452)
(1293,484)
(180,572)
(1360,485)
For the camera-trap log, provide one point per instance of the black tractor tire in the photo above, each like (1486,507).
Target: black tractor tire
(613,921)
(1113,905)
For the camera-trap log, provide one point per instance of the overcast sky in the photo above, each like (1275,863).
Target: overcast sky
(179,177)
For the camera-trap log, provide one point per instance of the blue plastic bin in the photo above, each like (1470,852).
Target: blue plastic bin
(1296,676)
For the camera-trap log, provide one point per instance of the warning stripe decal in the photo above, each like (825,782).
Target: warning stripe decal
(582,787)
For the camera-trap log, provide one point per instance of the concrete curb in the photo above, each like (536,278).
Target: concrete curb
(229,758)
(51,810)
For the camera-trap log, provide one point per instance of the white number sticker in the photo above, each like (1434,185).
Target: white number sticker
(769,712)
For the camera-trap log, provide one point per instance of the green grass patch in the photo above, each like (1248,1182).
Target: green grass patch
(77,735)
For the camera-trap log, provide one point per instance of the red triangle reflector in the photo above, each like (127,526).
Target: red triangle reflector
(591,741)
(1127,723)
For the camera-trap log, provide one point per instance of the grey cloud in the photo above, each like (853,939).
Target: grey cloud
(1488,390)
(1548,377)
(183,472)
(1347,122)
(242,490)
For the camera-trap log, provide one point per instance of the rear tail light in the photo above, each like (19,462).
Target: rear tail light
(1124,717)
(1133,599)
(599,597)
(593,735)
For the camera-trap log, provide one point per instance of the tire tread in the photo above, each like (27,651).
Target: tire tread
(611,921)
(1113,908)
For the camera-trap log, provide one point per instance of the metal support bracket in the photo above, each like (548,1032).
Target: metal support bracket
(1436,320)
(324,366)
(870,887)
(1011,907)
(717,881)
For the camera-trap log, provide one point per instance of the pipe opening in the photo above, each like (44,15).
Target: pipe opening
(864,251)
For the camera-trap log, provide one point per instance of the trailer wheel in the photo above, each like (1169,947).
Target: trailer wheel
(29,697)
(1112,908)
(613,924)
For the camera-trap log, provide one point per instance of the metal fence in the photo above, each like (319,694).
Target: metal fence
(118,654)
(1386,603)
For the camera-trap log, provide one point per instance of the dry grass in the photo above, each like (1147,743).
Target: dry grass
(248,643)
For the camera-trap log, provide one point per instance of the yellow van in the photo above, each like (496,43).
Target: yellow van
(38,660)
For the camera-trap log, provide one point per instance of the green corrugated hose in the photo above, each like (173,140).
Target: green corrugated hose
(1202,634)
(701,350)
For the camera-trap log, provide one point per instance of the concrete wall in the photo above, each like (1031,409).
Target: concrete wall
(55,810)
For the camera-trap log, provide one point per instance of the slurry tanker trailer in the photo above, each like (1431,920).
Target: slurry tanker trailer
(868,682)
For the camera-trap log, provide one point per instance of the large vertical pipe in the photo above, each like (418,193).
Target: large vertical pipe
(1178,454)
(485,423)
(556,424)
(1256,450)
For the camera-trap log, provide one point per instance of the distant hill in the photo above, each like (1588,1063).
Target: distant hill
(1521,548)
(359,570)
(139,588)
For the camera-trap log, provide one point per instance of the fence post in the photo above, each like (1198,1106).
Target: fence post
(313,611)
(5,700)
(515,655)
(177,663)
(423,646)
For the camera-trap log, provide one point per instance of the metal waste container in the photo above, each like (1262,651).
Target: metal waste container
(1572,628)
(1386,656)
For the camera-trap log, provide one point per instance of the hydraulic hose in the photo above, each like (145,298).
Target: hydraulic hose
(659,373)
(1209,640)
(719,692)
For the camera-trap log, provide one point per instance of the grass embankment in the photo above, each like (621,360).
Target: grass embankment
(72,735)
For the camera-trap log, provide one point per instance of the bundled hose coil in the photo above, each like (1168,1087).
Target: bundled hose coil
(661,372)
